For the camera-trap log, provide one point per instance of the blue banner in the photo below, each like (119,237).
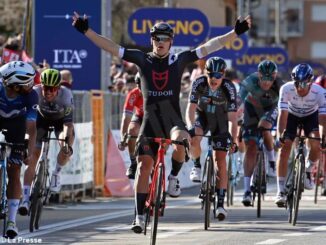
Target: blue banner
(248,63)
(232,50)
(57,41)
(190,26)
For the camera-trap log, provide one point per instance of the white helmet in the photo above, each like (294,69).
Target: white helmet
(17,73)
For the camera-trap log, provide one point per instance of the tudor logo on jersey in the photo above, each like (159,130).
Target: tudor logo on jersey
(160,79)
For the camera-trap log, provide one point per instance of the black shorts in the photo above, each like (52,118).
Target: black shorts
(252,117)
(16,130)
(310,123)
(43,125)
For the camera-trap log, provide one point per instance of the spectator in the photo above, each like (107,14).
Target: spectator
(66,78)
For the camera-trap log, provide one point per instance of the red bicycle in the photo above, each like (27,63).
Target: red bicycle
(155,202)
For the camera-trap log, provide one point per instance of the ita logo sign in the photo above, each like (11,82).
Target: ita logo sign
(190,26)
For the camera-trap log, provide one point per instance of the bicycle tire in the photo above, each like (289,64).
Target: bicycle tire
(317,181)
(298,188)
(260,162)
(157,205)
(229,184)
(3,207)
(36,196)
(207,199)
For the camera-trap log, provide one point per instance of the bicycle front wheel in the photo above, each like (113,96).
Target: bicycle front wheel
(260,162)
(157,204)
(318,175)
(208,186)
(229,193)
(298,187)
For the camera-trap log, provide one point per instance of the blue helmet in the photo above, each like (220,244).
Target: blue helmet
(302,73)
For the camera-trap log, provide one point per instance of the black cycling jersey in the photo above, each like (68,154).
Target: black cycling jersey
(213,106)
(160,83)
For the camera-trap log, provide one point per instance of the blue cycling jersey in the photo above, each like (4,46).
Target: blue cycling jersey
(21,106)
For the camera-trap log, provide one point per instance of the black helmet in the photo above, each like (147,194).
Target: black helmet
(267,68)
(162,28)
(215,67)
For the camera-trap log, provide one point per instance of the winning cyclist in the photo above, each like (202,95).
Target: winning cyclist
(259,92)
(301,102)
(212,104)
(130,123)
(161,73)
(18,104)
(55,108)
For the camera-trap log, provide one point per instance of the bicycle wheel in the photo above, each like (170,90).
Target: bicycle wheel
(259,181)
(230,184)
(298,187)
(208,187)
(36,197)
(3,204)
(317,178)
(157,204)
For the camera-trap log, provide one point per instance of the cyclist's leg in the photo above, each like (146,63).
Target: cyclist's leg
(41,127)
(178,157)
(195,149)
(133,130)
(220,159)
(311,128)
(146,153)
(267,122)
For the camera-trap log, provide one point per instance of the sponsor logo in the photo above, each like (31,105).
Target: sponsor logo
(160,93)
(68,58)
(160,79)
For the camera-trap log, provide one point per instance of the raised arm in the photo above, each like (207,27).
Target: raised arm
(219,42)
(81,25)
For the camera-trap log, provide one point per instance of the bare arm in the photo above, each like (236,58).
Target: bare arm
(281,122)
(126,119)
(31,131)
(232,116)
(81,24)
(322,122)
(190,114)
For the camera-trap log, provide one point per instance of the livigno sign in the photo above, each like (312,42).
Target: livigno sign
(190,26)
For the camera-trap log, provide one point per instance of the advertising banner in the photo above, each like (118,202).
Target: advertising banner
(190,26)
(62,46)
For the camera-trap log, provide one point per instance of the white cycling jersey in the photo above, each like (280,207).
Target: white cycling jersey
(299,106)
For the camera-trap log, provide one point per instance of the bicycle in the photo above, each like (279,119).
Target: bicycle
(208,184)
(232,179)
(40,190)
(5,150)
(295,180)
(155,202)
(320,176)
(259,177)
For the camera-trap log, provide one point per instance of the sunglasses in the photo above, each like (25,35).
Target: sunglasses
(216,75)
(161,38)
(301,84)
(50,89)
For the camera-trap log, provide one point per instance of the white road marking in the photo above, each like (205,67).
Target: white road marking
(298,234)
(319,228)
(272,241)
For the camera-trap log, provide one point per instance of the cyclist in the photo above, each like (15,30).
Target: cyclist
(301,102)
(259,92)
(55,108)
(161,73)
(321,81)
(212,104)
(18,104)
(131,122)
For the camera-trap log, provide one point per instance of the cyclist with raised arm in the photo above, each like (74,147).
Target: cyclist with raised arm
(212,104)
(55,108)
(132,118)
(161,73)
(18,104)
(259,92)
(301,102)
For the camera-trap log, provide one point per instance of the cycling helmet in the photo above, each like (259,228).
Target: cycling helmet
(321,81)
(51,78)
(162,28)
(302,75)
(215,67)
(267,68)
(17,73)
